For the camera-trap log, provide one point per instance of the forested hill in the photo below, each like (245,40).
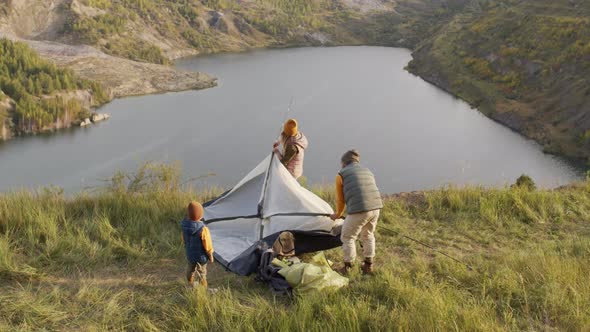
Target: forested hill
(36,95)
(524,63)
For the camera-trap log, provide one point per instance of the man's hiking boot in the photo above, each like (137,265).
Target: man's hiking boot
(345,269)
(367,267)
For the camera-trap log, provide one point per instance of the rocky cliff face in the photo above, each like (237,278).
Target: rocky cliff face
(32,18)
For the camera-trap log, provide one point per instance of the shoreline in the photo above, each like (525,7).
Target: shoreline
(120,77)
(548,147)
(177,80)
(578,161)
(163,123)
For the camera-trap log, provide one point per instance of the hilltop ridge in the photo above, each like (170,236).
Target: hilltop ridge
(114,261)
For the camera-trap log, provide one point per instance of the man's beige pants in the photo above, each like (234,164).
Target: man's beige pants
(359,224)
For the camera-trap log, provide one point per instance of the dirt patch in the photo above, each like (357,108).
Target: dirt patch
(121,77)
(157,273)
(34,19)
(365,6)
(128,78)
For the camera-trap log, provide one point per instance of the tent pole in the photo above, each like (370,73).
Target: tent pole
(262,199)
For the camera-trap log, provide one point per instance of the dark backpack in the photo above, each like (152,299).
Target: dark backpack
(269,274)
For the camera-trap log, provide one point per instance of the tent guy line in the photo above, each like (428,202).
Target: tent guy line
(469,267)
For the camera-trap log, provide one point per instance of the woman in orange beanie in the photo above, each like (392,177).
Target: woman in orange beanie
(294,145)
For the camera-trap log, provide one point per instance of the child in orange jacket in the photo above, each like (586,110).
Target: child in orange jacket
(197,244)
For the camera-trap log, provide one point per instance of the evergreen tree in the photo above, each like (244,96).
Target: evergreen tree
(30,80)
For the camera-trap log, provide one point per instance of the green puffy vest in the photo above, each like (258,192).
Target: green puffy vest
(360,190)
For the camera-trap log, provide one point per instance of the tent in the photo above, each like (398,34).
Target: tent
(250,217)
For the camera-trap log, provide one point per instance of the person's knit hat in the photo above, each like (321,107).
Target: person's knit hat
(351,156)
(290,128)
(195,211)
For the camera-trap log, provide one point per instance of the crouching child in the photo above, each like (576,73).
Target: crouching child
(197,244)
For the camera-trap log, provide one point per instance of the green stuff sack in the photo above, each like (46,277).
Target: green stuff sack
(313,276)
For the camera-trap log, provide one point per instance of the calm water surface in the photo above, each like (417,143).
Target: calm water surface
(413,135)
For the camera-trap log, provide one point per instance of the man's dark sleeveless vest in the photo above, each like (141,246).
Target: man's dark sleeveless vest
(191,234)
(360,190)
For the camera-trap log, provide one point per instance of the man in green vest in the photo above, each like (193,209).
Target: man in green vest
(357,190)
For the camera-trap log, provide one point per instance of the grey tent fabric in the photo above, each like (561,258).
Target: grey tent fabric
(263,204)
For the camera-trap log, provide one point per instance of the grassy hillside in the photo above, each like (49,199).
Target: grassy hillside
(152,30)
(37,88)
(113,260)
(523,63)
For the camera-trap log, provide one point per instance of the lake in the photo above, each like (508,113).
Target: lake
(411,134)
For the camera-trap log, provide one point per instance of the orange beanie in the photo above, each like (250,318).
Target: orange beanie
(290,128)
(195,211)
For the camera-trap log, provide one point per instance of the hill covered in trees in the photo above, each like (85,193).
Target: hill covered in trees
(523,63)
(37,95)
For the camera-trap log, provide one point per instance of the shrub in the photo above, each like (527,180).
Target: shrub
(136,50)
(101,4)
(525,182)
(480,67)
(92,29)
